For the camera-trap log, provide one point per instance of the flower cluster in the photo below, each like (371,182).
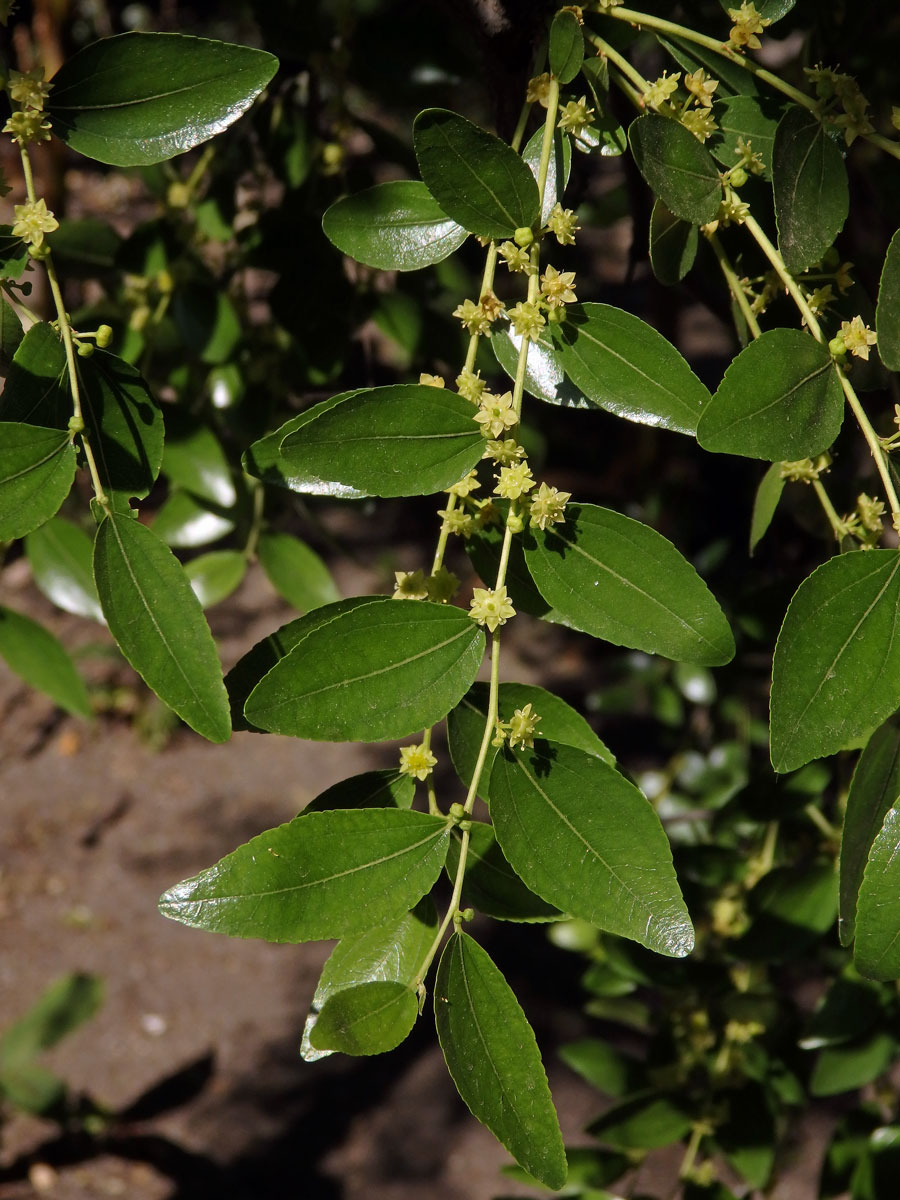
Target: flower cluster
(833,89)
(519,730)
(575,116)
(477,319)
(854,336)
(747,23)
(441,586)
(29,91)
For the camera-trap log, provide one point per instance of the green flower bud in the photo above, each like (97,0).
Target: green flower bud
(523,236)
(85,349)
(104,335)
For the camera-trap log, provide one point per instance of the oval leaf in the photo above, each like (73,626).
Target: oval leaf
(877,949)
(60,557)
(215,576)
(587,841)
(493,1059)
(322,875)
(371,789)
(765,503)
(124,422)
(477,179)
(195,460)
(614,578)
(779,399)
(673,245)
(887,313)
(368,1019)
(544,377)
(395,226)
(836,672)
(566,51)
(140,98)
(623,365)
(753,118)
(812,198)
(186,523)
(875,788)
(402,440)
(491,885)
(379,671)
(296,572)
(558,167)
(37,467)
(394,951)
(677,167)
(159,625)
(36,390)
(37,657)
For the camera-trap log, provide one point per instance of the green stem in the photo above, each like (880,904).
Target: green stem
(833,519)
(256,517)
(784,275)
(881,459)
(610,52)
(734,286)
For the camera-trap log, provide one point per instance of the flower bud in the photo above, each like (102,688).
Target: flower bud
(523,236)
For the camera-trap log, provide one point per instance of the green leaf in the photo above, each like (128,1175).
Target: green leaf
(477,179)
(626,367)
(396,226)
(614,578)
(587,841)
(484,549)
(36,391)
(67,1003)
(491,885)
(874,790)
(673,245)
(322,875)
(733,80)
(494,1060)
(85,247)
(36,656)
(877,949)
(836,672)
(157,621)
(401,440)
(544,377)
(140,98)
(370,1018)
(11,333)
(566,51)
(768,494)
(379,671)
(792,910)
(37,467)
(603,1067)
(264,459)
(846,1068)
(371,789)
(887,312)
(647,1121)
(214,576)
(753,118)
(677,167)
(747,1135)
(124,422)
(393,952)
(772,10)
(33,1089)
(14,256)
(811,193)
(60,557)
(558,167)
(207,320)
(295,571)
(185,522)
(850,1008)
(559,723)
(780,399)
(194,459)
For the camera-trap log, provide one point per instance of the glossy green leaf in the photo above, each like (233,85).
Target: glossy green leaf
(36,390)
(614,578)
(558,166)
(194,459)
(157,621)
(214,576)
(141,98)
(874,790)
(836,672)
(765,502)
(846,1068)
(379,671)
(587,841)
(59,554)
(494,1060)
(673,245)
(484,548)
(623,365)
(11,333)
(771,10)
(124,421)
(185,522)
(322,875)
(887,312)
(752,118)
(400,440)
(14,256)
(780,399)
(877,948)
(545,378)
(370,1018)
(566,49)
(647,1121)
(477,179)
(264,459)
(391,952)
(67,1003)
(559,723)
(36,656)
(295,571)
(811,193)
(396,226)
(491,885)
(792,908)
(677,167)
(371,789)
(37,467)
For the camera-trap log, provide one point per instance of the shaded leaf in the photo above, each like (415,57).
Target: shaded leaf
(836,672)
(193,459)
(494,1060)
(765,502)
(67,1003)
(587,841)
(214,576)
(295,571)
(264,459)
(753,118)
(37,467)
(124,422)
(877,948)
(37,657)
(601,1065)
(139,98)
(37,390)
(370,1018)
(887,312)
(673,245)
(186,522)
(566,48)
(646,1121)
(734,80)
(322,875)
(545,378)
(614,578)
(60,557)
(206,319)
(811,193)
(491,885)
(157,621)
(11,333)
(14,256)
(371,789)
(677,167)
(558,167)
(846,1068)
(396,226)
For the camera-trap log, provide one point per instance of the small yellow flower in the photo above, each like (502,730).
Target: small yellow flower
(895,116)
(548,506)
(843,279)
(458,521)
(28,127)
(410,585)
(470,385)
(747,24)
(538,90)
(701,86)
(28,88)
(468,484)
(514,256)
(442,585)
(417,761)
(558,287)
(733,210)
(522,727)
(491,305)
(575,116)
(561,222)
(870,513)
(527,320)
(700,122)
(802,470)
(473,317)
(431,380)
(514,481)
(819,299)
(491,607)
(33,221)
(504,452)
(858,337)
(748,158)
(658,93)
(496,414)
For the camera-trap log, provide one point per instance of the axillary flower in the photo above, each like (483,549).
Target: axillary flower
(491,607)
(33,221)
(417,761)
(496,414)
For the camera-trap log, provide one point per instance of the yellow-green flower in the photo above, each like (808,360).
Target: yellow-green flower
(33,221)
(410,585)
(575,116)
(522,727)
(527,320)
(491,607)
(28,127)
(442,585)
(747,24)
(504,452)
(538,90)
(700,122)
(431,380)
(473,317)
(558,287)
(548,506)
(701,86)
(514,256)
(496,414)
(458,521)
(470,385)
(28,88)
(514,481)
(469,483)
(858,337)
(658,93)
(561,222)
(417,761)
